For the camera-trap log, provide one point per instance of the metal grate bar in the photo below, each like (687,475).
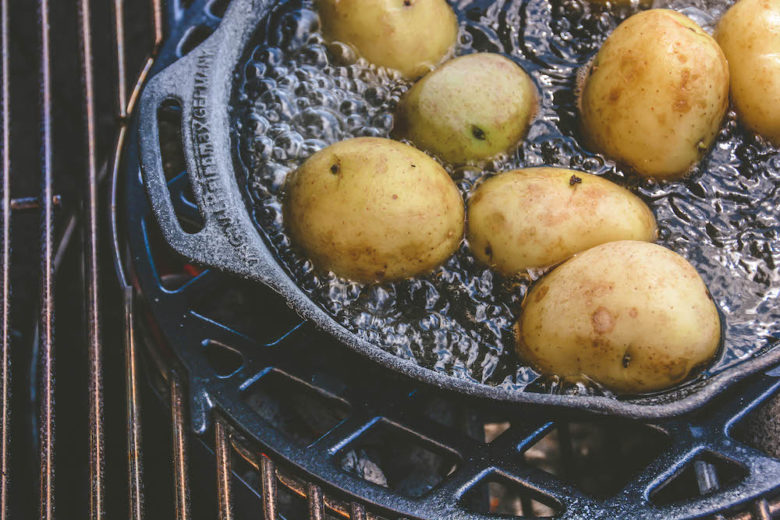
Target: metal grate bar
(157,19)
(357,512)
(5,260)
(134,452)
(761,510)
(180,452)
(224,498)
(96,436)
(121,64)
(31,203)
(316,507)
(46,420)
(268,480)
(774,508)
(125,106)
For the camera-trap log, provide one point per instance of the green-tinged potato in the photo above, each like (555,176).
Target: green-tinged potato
(538,217)
(632,316)
(655,94)
(410,36)
(749,34)
(474,107)
(373,209)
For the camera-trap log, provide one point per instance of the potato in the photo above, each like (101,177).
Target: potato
(655,94)
(632,316)
(373,209)
(749,34)
(473,107)
(411,36)
(539,217)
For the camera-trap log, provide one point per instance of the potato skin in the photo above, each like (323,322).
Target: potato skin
(473,107)
(537,217)
(372,210)
(655,94)
(411,36)
(749,34)
(633,316)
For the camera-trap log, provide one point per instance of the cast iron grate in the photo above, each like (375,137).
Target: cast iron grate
(482,448)
(301,411)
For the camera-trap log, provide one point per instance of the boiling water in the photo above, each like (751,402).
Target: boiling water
(297,95)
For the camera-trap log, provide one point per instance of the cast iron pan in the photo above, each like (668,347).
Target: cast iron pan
(202,83)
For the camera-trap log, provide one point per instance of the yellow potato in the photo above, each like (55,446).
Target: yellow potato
(749,34)
(373,209)
(655,94)
(474,107)
(632,316)
(411,36)
(539,217)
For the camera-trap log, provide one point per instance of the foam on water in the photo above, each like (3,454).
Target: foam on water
(297,95)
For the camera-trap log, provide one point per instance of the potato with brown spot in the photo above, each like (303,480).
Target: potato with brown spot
(655,94)
(410,36)
(749,34)
(632,316)
(472,108)
(373,209)
(538,217)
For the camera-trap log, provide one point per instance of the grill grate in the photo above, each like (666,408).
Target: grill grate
(61,219)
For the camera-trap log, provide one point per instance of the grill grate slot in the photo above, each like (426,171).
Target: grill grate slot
(598,457)
(704,475)
(760,429)
(498,495)
(302,412)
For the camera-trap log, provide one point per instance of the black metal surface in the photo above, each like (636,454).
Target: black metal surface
(202,83)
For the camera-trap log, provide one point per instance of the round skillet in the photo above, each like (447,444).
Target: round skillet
(202,83)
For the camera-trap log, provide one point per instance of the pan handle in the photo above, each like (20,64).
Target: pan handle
(200,84)
(159,92)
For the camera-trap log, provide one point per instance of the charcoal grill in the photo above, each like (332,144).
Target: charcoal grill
(229,454)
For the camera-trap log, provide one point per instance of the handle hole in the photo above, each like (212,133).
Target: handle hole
(172,270)
(169,121)
(192,39)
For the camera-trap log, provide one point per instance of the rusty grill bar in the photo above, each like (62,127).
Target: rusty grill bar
(181,479)
(5,264)
(47,277)
(226,441)
(96,441)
